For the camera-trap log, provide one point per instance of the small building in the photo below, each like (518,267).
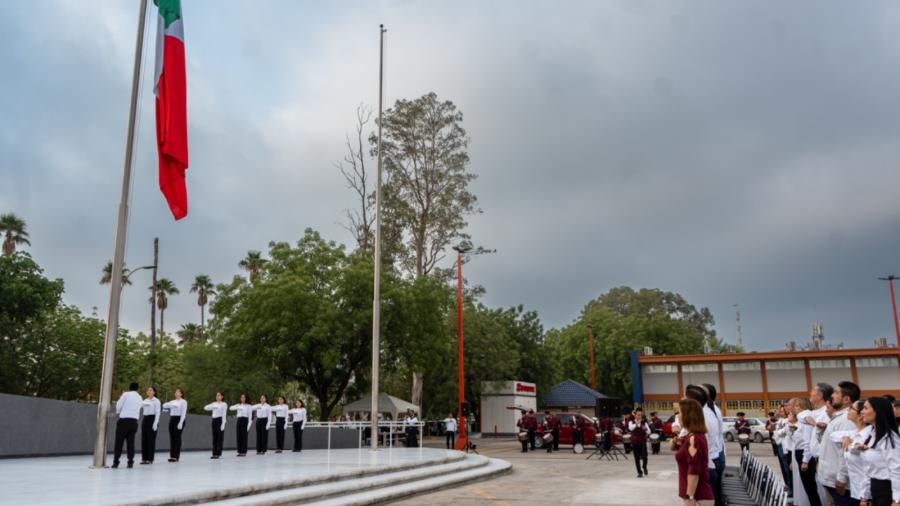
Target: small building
(502,403)
(758,382)
(573,397)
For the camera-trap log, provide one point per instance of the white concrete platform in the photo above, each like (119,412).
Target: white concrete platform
(337,477)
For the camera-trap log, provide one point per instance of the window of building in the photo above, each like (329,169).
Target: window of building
(876,362)
(831,363)
(661,407)
(776,365)
(740,366)
(660,368)
(705,367)
(744,405)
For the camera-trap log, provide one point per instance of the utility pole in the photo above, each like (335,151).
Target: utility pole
(462,442)
(115,289)
(590,332)
(890,279)
(153,309)
(376,299)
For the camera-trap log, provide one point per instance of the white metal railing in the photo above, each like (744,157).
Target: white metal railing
(386,429)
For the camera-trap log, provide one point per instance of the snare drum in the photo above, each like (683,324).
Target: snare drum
(626,438)
(578,448)
(744,439)
(523,436)
(547,437)
(654,438)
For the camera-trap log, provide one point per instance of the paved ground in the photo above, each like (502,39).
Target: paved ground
(565,478)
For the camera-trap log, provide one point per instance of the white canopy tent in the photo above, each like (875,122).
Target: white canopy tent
(387,404)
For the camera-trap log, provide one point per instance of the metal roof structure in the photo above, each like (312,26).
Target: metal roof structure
(571,393)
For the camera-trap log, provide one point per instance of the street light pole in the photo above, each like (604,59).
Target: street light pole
(890,279)
(462,442)
(376,298)
(153,310)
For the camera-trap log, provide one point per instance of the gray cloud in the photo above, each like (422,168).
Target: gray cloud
(733,152)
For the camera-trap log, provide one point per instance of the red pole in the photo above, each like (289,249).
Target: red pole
(461,441)
(894,305)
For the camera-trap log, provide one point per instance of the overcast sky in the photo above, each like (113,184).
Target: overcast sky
(735,152)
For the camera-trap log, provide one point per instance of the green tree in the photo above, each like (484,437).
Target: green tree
(253,263)
(106,278)
(164,288)
(14,232)
(203,287)
(190,333)
(426,191)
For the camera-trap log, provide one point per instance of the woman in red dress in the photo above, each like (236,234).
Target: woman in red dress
(692,456)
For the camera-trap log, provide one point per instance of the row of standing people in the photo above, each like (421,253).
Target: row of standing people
(131,406)
(836,448)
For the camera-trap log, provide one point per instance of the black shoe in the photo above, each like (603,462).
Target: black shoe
(130,465)
(646,472)
(114,466)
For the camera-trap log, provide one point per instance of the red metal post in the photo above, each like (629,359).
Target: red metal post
(461,441)
(894,305)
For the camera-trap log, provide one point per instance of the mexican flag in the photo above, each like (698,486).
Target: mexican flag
(170,87)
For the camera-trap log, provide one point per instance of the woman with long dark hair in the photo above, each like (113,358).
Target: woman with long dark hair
(298,421)
(219,409)
(853,466)
(177,409)
(881,453)
(263,417)
(280,410)
(692,455)
(244,411)
(152,411)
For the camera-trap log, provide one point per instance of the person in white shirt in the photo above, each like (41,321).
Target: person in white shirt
(450,427)
(853,471)
(177,409)
(782,437)
(411,428)
(716,440)
(280,410)
(831,452)
(805,494)
(820,397)
(881,454)
(149,426)
(128,407)
(219,410)
(263,420)
(244,412)
(298,421)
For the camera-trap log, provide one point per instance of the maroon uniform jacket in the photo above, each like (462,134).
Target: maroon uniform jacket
(742,426)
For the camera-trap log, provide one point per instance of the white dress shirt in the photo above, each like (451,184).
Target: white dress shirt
(280,410)
(803,435)
(821,416)
(244,411)
(721,432)
(450,424)
(786,433)
(129,405)
(713,435)
(264,410)
(177,407)
(882,461)
(853,469)
(633,426)
(298,415)
(219,409)
(152,407)
(831,453)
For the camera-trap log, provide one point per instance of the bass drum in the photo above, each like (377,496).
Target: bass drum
(654,438)
(547,437)
(523,436)
(578,448)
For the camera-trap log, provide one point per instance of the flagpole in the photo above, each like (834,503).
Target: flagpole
(115,292)
(376,299)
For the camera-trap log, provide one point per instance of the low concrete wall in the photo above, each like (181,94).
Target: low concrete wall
(32,427)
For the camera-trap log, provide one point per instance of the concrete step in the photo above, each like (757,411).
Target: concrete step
(365,486)
(493,468)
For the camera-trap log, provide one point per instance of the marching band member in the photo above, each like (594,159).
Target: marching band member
(244,413)
(606,427)
(639,429)
(281,412)
(742,426)
(263,419)
(152,412)
(551,424)
(521,425)
(531,427)
(128,407)
(881,454)
(298,421)
(219,409)
(656,426)
(177,409)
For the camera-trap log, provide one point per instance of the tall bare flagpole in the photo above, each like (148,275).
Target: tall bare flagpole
(115,289)
(376,299)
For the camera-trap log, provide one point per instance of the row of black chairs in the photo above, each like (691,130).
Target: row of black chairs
(759,484)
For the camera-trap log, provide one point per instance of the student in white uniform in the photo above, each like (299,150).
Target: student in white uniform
(263,420)
(820,397)
(128,407)
(784,433)
(450,426)
(244,412)
(152,412)
(881,454)
(831,451)
(177,409)
(298,421)
(853,471)
(280,410)
(219,410)
(801,435)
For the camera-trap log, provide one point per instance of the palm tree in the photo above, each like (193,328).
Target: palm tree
(107,275)
(190,333)
(14,228)
(253,264)
(203,287)
(164,288)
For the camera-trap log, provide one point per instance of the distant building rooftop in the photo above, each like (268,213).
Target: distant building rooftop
(570,394)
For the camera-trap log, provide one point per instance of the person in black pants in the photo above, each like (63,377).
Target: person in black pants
(128,407)
(263,417)
(149,426)
(177,415)
(298,420)
(244,412)
(639,430)
(218,411)
(280,412)
(450,430)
